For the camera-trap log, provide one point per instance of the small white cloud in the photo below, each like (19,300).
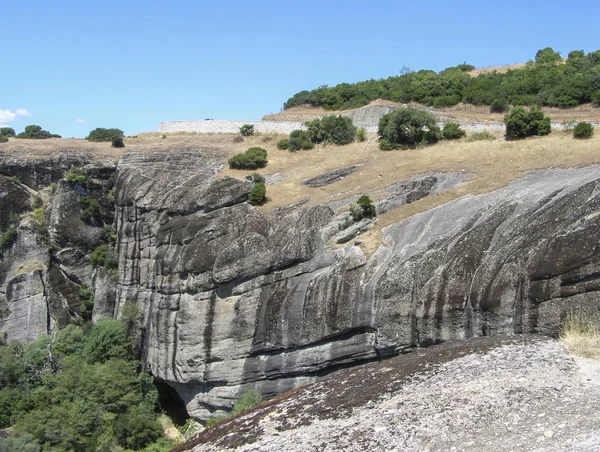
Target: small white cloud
(22,112)
(7,116)
(80,121)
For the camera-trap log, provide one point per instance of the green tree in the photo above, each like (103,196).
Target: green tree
(253,158)
(36,132)
(521,123)
(247,130)
(7,132)
(101,134)
(408,128)
(583,130)
(452,131)
(258,194)
(331,129)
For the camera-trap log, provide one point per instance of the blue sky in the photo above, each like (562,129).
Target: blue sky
(74,66)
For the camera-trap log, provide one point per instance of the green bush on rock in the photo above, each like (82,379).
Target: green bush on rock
(253,158)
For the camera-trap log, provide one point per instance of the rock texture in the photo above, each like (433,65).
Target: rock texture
(233,300)
(502,394)
(45,270)
(225,298)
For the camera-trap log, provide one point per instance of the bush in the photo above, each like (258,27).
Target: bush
(499,105)
(248,400)
(299,140)
(258,194)
(364,209)
(7,239)
(452,131)
(36,132)
(253,158)
(117,142)
(283,144)
(3,139)
(255,177)
(521,123)
(408,128)
(583,130)
(103,256)
(90,209)
(247,130)
(481,136)
(76,176)
(101,134)
(331,129)
(361,134)
(7,132)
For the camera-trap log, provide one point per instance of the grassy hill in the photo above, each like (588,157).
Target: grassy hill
(549,80)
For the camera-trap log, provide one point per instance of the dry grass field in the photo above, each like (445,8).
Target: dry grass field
(493,164)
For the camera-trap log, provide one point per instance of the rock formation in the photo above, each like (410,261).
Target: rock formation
(225,297)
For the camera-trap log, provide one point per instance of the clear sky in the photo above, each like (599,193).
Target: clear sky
(72,66)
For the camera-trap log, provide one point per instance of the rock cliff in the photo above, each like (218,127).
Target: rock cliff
(225,297)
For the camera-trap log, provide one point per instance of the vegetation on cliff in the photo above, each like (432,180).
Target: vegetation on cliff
(77,389)
(36,132)
(544,81)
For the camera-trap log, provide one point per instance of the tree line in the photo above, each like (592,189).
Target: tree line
(548,80)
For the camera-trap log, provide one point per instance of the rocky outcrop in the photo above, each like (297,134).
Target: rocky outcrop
(232,299)
(46,276)
(224,297)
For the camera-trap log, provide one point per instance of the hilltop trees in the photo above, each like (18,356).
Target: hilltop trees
(544,81)
(101,134)
(36,132)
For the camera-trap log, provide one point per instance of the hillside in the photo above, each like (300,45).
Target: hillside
(549,80)
(220,297)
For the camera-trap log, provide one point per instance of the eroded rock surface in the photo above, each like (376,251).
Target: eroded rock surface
(519,393)
(226,298)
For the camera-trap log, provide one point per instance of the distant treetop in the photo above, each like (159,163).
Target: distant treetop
(545,81)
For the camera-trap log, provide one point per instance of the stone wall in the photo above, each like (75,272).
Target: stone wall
(226,126)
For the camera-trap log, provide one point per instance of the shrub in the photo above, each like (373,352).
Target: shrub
(76,176)
(583,130)
(361,134)
(408,128)
(3,139)
(452,131)
(255,177)
(299,140)
(7,239)
(247,400)
(117,142)
(247,130)
(7,132)
(253,158)
(283,144)
(36,132)
(580,332)
(103,256)
(101,134)
(90,209)
(258,194)
(521,123)
(481,136)
(364,209)
(499,105)
(331,129)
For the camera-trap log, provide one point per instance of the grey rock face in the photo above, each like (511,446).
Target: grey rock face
(43,273)
(225,298)
(330,177)
(233,300)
